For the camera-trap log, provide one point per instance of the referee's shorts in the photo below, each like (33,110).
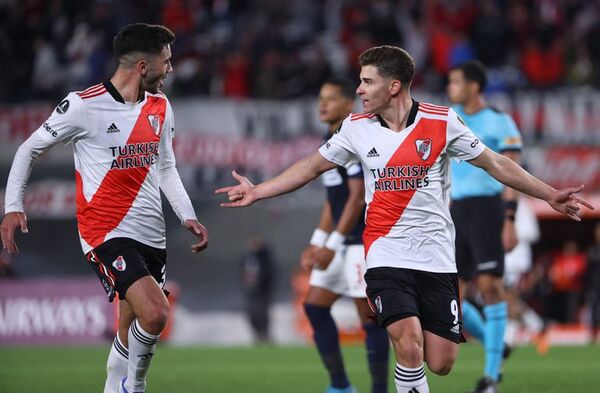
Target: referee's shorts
(479,249)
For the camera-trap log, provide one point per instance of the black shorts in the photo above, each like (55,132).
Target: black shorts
(120,262)
(479,249)
(395,294)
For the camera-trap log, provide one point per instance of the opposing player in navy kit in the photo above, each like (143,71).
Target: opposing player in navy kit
(336,255)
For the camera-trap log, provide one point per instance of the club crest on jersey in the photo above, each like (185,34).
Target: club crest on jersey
(154,123)
(378,304)
(424,148)
(120,264)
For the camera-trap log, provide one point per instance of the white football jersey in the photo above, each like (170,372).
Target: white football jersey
(120,150)
(407,184)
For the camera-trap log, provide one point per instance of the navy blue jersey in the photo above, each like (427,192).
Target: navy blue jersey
(336,182)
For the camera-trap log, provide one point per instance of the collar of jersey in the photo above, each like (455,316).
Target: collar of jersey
(112,90)
(411,116)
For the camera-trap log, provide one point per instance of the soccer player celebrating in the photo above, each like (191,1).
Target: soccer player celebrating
(404,147)
(482,239)
(336,254)
(122,133)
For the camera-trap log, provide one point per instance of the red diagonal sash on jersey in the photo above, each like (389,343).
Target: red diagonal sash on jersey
(120,187)
(387,207)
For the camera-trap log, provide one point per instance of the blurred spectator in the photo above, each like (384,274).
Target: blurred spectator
(566,275)
(256,280)
(592,284)
(275,49)
(235,76)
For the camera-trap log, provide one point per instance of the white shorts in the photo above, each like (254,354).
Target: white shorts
(345,274)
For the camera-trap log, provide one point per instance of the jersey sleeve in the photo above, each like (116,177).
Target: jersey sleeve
(339,148)
(510,138)
(170,181)
(66,123)
(461,143)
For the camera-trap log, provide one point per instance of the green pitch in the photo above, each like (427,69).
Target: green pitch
(283,369)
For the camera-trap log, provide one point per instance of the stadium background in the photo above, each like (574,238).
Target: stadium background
(246,74)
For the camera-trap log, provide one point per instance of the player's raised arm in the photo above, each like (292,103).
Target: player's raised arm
(245,193)
(511,174)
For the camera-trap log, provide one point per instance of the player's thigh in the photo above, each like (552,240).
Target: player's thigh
(391,294)
(440,353)
(147,300)
(118,263)
(365,313)
(332,278)
(406,336)
(318,296)
(354,271)
(439,305)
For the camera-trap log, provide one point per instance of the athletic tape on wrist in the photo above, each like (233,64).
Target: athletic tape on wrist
(319,237)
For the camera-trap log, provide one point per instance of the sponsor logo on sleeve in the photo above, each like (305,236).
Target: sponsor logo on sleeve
(63,107)
(49,130)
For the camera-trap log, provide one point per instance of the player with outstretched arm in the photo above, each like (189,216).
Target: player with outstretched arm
(404,147)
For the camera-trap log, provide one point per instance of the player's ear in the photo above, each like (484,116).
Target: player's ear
(142,66)
(395,87)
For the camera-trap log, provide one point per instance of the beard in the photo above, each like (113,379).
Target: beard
(151,83)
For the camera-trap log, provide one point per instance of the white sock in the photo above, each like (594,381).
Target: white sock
(116,366)
(141,350)
(410,380)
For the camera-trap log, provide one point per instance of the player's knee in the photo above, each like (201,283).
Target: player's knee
(441,368)
(154,318)
(408,348)
(492,295)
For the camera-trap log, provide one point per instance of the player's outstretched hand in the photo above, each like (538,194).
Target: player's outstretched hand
(240,195)
(200,231)
(565,201)
(10,222)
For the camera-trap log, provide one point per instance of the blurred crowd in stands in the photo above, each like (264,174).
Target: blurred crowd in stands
(286,48)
